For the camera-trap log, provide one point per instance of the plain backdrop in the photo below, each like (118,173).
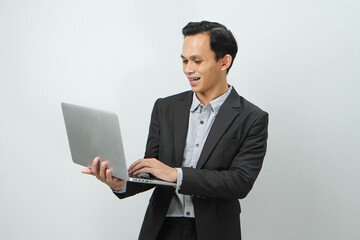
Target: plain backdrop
(297,60)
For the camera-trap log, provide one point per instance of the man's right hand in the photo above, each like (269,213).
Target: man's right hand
(104,175)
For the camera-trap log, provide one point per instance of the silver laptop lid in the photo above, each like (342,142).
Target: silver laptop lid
(93,133)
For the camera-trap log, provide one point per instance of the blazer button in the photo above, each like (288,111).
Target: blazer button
(197,145)
(188,213)
(202,122)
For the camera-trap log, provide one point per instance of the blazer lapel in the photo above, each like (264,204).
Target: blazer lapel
(181,122)
(224,118)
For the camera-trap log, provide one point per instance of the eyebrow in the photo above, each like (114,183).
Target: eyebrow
(191,57)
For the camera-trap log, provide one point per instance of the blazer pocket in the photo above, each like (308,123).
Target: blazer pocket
(228,208)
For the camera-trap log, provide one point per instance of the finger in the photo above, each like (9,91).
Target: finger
(139,166)
(103,167)
(108,177)
(87,171)
(144,170)
(134,164)
(95,166)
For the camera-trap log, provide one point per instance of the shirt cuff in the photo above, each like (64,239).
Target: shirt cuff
(179,178)
(123,190)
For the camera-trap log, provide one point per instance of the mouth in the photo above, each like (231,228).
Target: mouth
(193,80)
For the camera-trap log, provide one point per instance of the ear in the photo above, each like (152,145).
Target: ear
(225,62)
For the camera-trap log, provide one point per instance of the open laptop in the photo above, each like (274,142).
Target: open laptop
(93,133)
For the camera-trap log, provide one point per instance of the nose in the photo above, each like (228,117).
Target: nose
(188,68)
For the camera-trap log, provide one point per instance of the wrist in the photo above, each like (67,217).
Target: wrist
(175,174)
(117,188)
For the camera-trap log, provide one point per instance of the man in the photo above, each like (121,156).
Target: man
(210,141)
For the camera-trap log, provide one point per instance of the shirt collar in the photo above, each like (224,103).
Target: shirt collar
(195,103)
(214,104)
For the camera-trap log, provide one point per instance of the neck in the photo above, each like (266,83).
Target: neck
(206,97)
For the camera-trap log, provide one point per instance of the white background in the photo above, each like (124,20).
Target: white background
(298,60)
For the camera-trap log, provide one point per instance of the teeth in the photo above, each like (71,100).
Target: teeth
(195,79)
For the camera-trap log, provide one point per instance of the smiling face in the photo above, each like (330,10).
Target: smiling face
(207,76)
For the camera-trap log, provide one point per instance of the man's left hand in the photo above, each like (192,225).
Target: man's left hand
(154,167)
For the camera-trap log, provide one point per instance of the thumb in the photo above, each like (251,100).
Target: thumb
(86,171)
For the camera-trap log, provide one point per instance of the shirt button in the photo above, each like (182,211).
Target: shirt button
(197,145)
(188,213)
(202,122)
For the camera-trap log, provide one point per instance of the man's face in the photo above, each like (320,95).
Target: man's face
(200,65)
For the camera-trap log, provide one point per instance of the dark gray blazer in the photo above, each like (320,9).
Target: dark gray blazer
(228,166)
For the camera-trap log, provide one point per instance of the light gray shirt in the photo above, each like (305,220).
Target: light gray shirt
(201,119)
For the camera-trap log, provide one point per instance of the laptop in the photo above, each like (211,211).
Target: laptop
(91,133)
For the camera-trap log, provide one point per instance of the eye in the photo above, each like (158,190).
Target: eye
(198,61)
(185,61)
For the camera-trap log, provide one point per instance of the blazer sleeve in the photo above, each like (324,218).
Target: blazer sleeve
(237,181)
(152,151)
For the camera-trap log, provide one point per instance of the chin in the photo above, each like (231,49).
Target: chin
(196,89)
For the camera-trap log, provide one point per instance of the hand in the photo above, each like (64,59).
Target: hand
(154,167)
(104,175)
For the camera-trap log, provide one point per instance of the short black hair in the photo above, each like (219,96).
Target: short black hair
(222,41)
